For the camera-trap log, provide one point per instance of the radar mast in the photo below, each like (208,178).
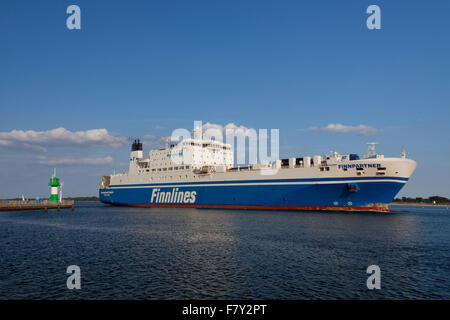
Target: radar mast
(371,150)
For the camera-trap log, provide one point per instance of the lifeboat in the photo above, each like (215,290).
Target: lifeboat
(206,170)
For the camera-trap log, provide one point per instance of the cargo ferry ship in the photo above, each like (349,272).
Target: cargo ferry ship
(198,173)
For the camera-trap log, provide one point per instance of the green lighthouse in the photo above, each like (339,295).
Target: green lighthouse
(54,185)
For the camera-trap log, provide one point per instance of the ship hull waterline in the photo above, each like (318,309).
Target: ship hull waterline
(372,195)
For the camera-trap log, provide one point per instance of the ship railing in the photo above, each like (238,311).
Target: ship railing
(119,174)
(240,169)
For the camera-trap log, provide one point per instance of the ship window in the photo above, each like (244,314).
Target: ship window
(170,168)
(328,168)
(164,169)
(321,168)
(153,169)
(345,169)
(381,173)
(147,170)
(358,173)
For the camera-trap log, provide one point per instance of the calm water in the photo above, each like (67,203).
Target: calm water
(138,253)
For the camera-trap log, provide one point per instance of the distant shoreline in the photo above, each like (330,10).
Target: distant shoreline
(77,199)
(418,204)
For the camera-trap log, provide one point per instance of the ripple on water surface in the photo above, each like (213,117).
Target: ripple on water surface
(165,253)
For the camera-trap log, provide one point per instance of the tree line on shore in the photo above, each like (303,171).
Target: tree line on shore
(93,198)
(431,200)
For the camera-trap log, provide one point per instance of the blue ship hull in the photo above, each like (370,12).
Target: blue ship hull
(358,194)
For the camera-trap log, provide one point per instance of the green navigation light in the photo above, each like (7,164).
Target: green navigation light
(54,182)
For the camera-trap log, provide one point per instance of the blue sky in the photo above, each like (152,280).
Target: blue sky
(147,67)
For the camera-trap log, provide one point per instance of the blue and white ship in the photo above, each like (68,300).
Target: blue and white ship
(198,173)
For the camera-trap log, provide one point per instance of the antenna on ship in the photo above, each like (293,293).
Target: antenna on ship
(198,130)
(403,153)
(371,149)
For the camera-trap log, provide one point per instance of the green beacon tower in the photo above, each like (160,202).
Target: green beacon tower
(54,185)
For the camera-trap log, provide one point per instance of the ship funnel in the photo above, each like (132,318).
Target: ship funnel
(136,146)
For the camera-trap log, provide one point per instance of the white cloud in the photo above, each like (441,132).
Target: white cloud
(229,126)
(208,129)
(150,137)
(68,161)
(151,141)
(39,140)
(219,132)
(361,130)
